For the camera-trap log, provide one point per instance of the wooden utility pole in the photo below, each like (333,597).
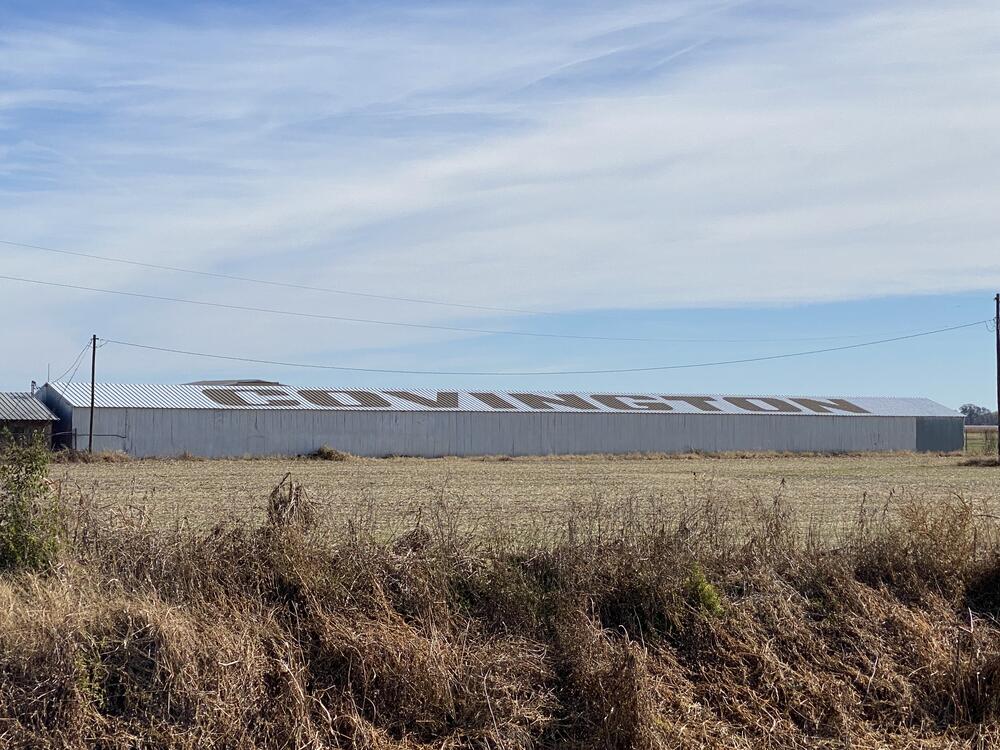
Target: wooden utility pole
(996,329)
(93,375)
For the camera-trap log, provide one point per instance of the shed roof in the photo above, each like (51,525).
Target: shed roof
(139,396)
(23,407)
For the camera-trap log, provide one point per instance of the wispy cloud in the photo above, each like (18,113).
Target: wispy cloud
(587,157)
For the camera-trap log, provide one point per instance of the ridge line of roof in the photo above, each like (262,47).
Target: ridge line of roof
(574,391)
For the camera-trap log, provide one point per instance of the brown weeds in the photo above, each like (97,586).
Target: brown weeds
(709,623)
(985,461)
(326,453)
(75,456)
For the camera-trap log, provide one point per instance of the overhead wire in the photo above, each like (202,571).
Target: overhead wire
(212,274)
(403,324)
(544,373)
(272,283)
(72,375)
(75,364)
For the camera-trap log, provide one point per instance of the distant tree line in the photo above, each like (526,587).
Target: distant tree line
(978,414)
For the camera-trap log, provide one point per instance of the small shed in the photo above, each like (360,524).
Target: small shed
(23,416)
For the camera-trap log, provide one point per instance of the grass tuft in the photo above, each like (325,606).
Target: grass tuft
(326,453)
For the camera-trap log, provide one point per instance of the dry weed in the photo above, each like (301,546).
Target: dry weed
(711,621)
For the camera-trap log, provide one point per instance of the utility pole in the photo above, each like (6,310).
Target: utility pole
(93,375)
(996,329)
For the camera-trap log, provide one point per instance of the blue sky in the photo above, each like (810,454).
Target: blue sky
(710,170)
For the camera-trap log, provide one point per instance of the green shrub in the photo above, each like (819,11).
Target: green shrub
(702,594)
(30,529)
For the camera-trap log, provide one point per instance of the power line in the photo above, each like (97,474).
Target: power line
(210,274)
(266,282)
(538,373)
(79,361)
(74,364)
(401,324)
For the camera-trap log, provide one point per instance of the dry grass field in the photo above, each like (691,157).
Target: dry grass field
(529,494)
(666,603)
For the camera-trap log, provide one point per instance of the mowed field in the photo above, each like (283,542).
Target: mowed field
(481,496)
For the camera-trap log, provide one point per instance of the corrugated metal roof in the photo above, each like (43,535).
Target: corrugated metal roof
(23,407)
(139,396)
(251,381)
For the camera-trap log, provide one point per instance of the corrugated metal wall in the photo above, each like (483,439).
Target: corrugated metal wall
(62,429)
(940,434)
(216,433)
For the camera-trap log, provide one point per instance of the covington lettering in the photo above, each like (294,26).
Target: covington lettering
(525,402)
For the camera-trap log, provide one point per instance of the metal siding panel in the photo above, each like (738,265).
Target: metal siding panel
(63,411)
(448,440)
(389,441)
(168,432)
(412,424)
(108,426)
(474,432)
(386,425)
(470,427)
(420,426)
(940,434)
